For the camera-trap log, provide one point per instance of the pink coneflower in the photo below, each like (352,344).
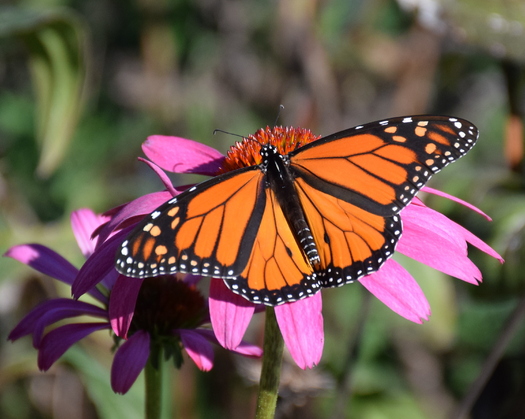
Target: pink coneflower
(428,237)
(165,311)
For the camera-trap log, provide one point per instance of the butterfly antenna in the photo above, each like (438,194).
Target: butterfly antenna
(215,131)
(281,107)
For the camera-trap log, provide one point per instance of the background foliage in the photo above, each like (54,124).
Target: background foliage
(82,84)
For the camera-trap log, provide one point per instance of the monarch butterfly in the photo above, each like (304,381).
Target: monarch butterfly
(287,224)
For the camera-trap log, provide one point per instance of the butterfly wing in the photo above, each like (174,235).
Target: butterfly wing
(230,227)
(277,270)
(352,242)
(381,166)
(208,229)
(353,184)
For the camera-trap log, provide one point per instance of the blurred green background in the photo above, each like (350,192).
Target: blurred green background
(83,83)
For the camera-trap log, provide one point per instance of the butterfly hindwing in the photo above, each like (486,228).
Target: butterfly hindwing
(205,230)
(277,271)
(382,165)
(351,242)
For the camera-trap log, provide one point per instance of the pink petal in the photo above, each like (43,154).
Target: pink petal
(247,349)
(431,238)
(301,325)
(59,340)
(476,242)
(130,359)
(163,177)
(180,155)
(428,241)
(122,304)
(134,210)
(396,288)
(84,222)
(230,314)
(44,260)
(198,348)
(453,198)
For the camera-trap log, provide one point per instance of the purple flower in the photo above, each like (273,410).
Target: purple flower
(166,309)
(428,237)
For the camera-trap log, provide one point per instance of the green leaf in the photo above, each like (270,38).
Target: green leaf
(56,43)
(96,379)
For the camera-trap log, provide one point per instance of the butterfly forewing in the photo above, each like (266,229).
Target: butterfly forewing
(206,230)
(382,165)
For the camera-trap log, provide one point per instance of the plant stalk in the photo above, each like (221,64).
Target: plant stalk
(153,377)
(271,367)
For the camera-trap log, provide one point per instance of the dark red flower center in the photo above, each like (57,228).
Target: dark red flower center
(166,303)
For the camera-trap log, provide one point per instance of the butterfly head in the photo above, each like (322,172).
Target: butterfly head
(248,152)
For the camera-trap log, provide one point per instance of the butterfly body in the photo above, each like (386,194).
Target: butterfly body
(321,215)
(280,180)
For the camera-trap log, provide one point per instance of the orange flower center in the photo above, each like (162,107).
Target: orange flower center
(247,152)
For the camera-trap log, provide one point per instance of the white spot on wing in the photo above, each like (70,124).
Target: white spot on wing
(155,214)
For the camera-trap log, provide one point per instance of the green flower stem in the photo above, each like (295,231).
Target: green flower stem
(271,367)
(153,376)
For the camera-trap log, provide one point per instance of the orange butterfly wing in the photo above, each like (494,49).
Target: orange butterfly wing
(208,229)
(230,227)
(277,270)
(350,185)
(352,242)
(382,165)
(353,184)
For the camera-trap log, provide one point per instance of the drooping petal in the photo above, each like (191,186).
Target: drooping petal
(122,304)
(99,264)
(197,347)
(162,176)
(84,222)
(248,349)
(45,260)
(244,348)
(453,198)
(396,288)
(428,241)
(230,314)
(477,242)
(181,155)
(431,238)
(59,340)
(130,359)
(301,325)
(50,312)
